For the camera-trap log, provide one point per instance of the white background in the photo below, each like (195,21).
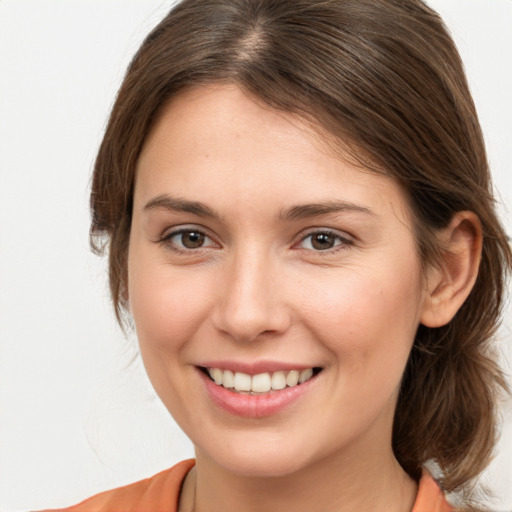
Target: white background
(77,414)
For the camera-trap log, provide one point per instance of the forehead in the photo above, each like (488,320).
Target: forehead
(205,115)
(216,139)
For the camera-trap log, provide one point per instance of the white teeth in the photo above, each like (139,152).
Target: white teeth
(278,380)
(228,381)
(217,375)
(261,383)
(242,381)
(305,375)
(293,378)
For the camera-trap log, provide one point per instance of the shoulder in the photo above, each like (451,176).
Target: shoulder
(159,492)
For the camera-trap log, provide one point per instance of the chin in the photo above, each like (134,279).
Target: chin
(272,459)
(260,467)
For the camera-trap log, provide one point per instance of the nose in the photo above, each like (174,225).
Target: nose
(250,303)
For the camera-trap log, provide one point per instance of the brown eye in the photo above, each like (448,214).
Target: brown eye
(324,241)
(187,240)
(192,239)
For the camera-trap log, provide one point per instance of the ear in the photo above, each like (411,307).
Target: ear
(449,285)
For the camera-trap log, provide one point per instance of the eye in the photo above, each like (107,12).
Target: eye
(187,240)
(323,241)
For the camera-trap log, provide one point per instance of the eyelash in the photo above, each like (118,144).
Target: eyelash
(341,242)
(167,240)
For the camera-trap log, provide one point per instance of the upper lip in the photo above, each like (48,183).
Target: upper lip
(255,367)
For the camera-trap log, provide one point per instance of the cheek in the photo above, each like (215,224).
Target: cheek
(168,310)
(367,319)
(368,326)
(167,306)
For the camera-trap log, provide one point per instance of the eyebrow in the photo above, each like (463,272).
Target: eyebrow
(295,212)
(176,204)
(304,211)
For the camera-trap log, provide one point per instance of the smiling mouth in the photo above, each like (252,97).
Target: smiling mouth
(262,383)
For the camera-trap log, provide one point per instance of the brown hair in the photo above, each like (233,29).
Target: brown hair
(385,79)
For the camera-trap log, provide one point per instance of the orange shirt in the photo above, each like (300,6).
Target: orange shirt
(160,493)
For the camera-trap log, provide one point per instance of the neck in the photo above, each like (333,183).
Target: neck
(334,484)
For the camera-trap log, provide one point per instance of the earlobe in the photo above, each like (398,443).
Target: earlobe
(449,284)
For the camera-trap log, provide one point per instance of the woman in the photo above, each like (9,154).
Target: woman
(300,223)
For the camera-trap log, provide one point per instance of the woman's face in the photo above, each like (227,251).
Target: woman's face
(254,251)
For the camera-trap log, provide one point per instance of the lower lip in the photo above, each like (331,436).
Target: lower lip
(254,406)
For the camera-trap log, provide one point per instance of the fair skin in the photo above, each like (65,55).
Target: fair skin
(254,249)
